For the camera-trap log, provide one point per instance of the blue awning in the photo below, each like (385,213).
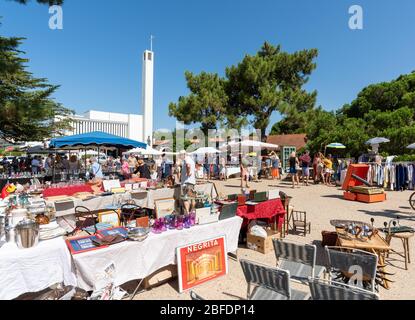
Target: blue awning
(95,139)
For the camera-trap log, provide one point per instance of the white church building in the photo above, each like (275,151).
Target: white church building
(133,126)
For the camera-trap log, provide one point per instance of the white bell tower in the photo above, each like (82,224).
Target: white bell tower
(147,95)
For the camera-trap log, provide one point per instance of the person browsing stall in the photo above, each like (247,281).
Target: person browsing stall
(96,169)
(305,166)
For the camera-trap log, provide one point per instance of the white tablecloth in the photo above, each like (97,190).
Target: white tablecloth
(137,260)
(100,203)
(34,269)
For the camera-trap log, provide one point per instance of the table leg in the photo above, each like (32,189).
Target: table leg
(381,255)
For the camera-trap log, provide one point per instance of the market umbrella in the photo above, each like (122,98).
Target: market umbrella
(251,144)
(336,146)
(95,139)
(208,150)
(149,151)
(377,140)
(411,146)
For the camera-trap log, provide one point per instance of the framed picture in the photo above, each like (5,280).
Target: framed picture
(82,244)
(164,207)
(128,187)
(109,217)
(201,262)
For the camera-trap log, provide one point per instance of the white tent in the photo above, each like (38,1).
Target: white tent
(250,144)
(149,151)
(208,150)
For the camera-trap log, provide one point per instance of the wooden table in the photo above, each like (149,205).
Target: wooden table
(376,245)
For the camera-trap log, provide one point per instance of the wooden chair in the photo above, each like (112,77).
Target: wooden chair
(270,283)
(300,223)
(331,290)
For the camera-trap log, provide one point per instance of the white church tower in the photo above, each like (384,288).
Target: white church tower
(147,96)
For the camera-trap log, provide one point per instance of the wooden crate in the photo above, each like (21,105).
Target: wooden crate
(260,244)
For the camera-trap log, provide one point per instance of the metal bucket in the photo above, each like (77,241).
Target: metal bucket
(27,234)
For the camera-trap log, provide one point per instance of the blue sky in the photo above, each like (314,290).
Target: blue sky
(96,58)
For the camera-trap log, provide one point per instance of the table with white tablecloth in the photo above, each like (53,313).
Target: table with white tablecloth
(34,269)
(137,260)
(67,207)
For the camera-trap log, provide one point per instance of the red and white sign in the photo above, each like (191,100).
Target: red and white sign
(201,262)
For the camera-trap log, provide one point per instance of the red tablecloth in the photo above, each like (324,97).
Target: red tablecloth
(269,210)
(66,191)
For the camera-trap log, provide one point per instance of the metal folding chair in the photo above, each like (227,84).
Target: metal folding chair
(330,290)
(298,259)
(354,265)
(270,283)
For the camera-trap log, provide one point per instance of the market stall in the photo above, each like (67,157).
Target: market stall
(137,260)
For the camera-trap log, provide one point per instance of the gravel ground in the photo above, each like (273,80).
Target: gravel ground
(322,204)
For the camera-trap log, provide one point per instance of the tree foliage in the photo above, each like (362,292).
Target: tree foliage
(380,110)
(27,112)
(250,91)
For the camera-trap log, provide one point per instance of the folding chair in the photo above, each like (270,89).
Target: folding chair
(353,264)
(330,290)
(270,283)
(299,260)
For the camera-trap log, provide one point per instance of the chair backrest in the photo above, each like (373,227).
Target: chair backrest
(330,290)
(348,262)
(305,254)
(272,278)
(299,215)
(195,296)
(84,218)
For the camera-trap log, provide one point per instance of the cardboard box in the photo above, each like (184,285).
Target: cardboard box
(371,198)
(260,244)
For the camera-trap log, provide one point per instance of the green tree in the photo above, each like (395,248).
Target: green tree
(27,111)
(269,81)
(250,92)
(385,96)
(205,104)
